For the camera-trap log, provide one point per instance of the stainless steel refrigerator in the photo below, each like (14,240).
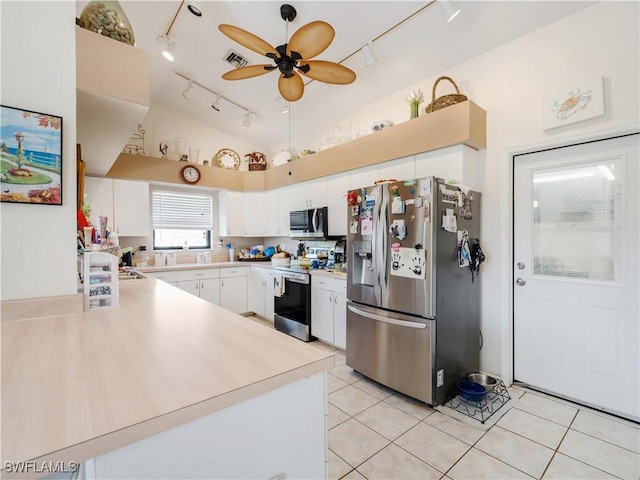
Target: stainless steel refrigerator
(413,288)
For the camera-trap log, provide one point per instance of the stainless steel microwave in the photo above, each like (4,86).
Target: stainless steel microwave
(308,224)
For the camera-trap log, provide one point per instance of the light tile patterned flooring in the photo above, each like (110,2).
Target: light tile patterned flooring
(377,433)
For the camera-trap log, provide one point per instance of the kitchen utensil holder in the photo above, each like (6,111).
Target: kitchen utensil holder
(480,410)
(445,100)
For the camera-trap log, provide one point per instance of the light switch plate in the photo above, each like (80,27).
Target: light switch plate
(440,379)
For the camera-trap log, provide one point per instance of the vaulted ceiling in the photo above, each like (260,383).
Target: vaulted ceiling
(411,40)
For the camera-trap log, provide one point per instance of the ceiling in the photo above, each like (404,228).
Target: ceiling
(421,47)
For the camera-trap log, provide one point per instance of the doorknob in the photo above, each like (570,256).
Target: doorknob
(520,282)
(520,265)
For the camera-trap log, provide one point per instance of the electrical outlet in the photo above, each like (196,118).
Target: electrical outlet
(440,378)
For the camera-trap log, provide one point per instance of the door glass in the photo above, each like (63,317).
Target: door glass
(574,232)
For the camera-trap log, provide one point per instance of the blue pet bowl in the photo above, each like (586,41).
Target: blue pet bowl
(471,390)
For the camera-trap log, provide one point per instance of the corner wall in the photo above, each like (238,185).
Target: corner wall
(37,242)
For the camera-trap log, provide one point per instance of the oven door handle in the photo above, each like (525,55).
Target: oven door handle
(380,318)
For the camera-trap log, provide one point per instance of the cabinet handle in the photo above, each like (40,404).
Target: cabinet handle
(331,297)
(335,299)
(222,283)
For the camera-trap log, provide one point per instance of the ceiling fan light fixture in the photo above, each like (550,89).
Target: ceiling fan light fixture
(247,120)
(186,93)
(369,57)
(194,7)
(451,10)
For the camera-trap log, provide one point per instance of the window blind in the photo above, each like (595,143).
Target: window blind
(171,210)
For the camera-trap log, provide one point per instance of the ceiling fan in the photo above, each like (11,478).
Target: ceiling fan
(290,58)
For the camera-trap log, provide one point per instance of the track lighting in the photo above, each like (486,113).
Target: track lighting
(247,120)
(369,57)
(285,109)
(214,105)
(167,51)
(450,9)
(186,93)
(194,7)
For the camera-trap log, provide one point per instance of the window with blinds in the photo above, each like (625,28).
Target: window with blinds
(181,219)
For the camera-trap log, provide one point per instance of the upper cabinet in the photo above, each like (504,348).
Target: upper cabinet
(231,213)
(124,202)
(255,210)
(337,188)
(112,82)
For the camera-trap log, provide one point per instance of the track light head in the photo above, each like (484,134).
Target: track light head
(167,50)
(194,7)
(186,93)
(214,105)
(247,120)
(369,57)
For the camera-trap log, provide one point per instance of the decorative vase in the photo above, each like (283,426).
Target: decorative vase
(107,18)
(414,110)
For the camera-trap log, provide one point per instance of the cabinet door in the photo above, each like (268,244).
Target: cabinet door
(255,209)
(317,193)
(299,196)
(190,286)
(400,169)
(99,195)
(322,314)
(255,298)
(269,294)
(233,294)
(337,188)
(284,208)
(364,177)
(340,320)
(210,290)
(272,213)
(231,213)
(131,208)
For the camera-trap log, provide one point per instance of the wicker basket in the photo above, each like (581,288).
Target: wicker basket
(253,167)
(445,100)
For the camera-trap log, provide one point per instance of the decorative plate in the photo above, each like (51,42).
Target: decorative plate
(227,158)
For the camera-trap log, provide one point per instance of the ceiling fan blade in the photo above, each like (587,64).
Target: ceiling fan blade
(291,88)
(248,72)
(327,72)
(246,39)
(311,39)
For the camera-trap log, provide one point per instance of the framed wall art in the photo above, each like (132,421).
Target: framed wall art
(574,103)
(30,156)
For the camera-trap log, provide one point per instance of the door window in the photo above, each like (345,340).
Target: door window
(574,221)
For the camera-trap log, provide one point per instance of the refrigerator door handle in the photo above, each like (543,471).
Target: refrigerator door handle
(380,318)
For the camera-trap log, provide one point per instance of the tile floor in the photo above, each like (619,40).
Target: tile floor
(377,433)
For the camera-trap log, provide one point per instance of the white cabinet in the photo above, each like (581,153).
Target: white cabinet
(261,291)
(364,177)
(309,194)
(337,188)
(124,202)
(400,169)
(278,205)
(458,162)
(231,213)
(233,289)
(329,310)
(255,209)
(226,286)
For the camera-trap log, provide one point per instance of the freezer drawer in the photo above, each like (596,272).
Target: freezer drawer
(393,349)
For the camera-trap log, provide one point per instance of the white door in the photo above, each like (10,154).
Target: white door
(576,308)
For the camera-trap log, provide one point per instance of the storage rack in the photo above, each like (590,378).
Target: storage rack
(100,280)
(482,409)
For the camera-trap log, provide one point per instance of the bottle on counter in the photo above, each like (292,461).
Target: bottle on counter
(144,257)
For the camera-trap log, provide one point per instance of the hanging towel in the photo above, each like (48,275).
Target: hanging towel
(278,289)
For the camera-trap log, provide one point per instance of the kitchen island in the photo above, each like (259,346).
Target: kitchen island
(166,385)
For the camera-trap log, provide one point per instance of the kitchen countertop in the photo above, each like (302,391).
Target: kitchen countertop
(77,385)
(248,263)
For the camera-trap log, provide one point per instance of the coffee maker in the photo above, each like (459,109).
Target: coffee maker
(339,252)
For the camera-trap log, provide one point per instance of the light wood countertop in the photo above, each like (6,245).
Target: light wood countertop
(77,385)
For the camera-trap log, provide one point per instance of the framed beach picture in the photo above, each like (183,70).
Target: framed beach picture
(30,156)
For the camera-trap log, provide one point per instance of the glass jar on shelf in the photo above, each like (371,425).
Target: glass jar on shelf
(107,18)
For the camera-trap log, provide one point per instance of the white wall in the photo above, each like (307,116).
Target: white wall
(162,124)
(509,83)
(38,242)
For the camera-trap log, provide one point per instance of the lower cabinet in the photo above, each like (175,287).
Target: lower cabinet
(233,289)
(329,310)
(226,286)
(261,291)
